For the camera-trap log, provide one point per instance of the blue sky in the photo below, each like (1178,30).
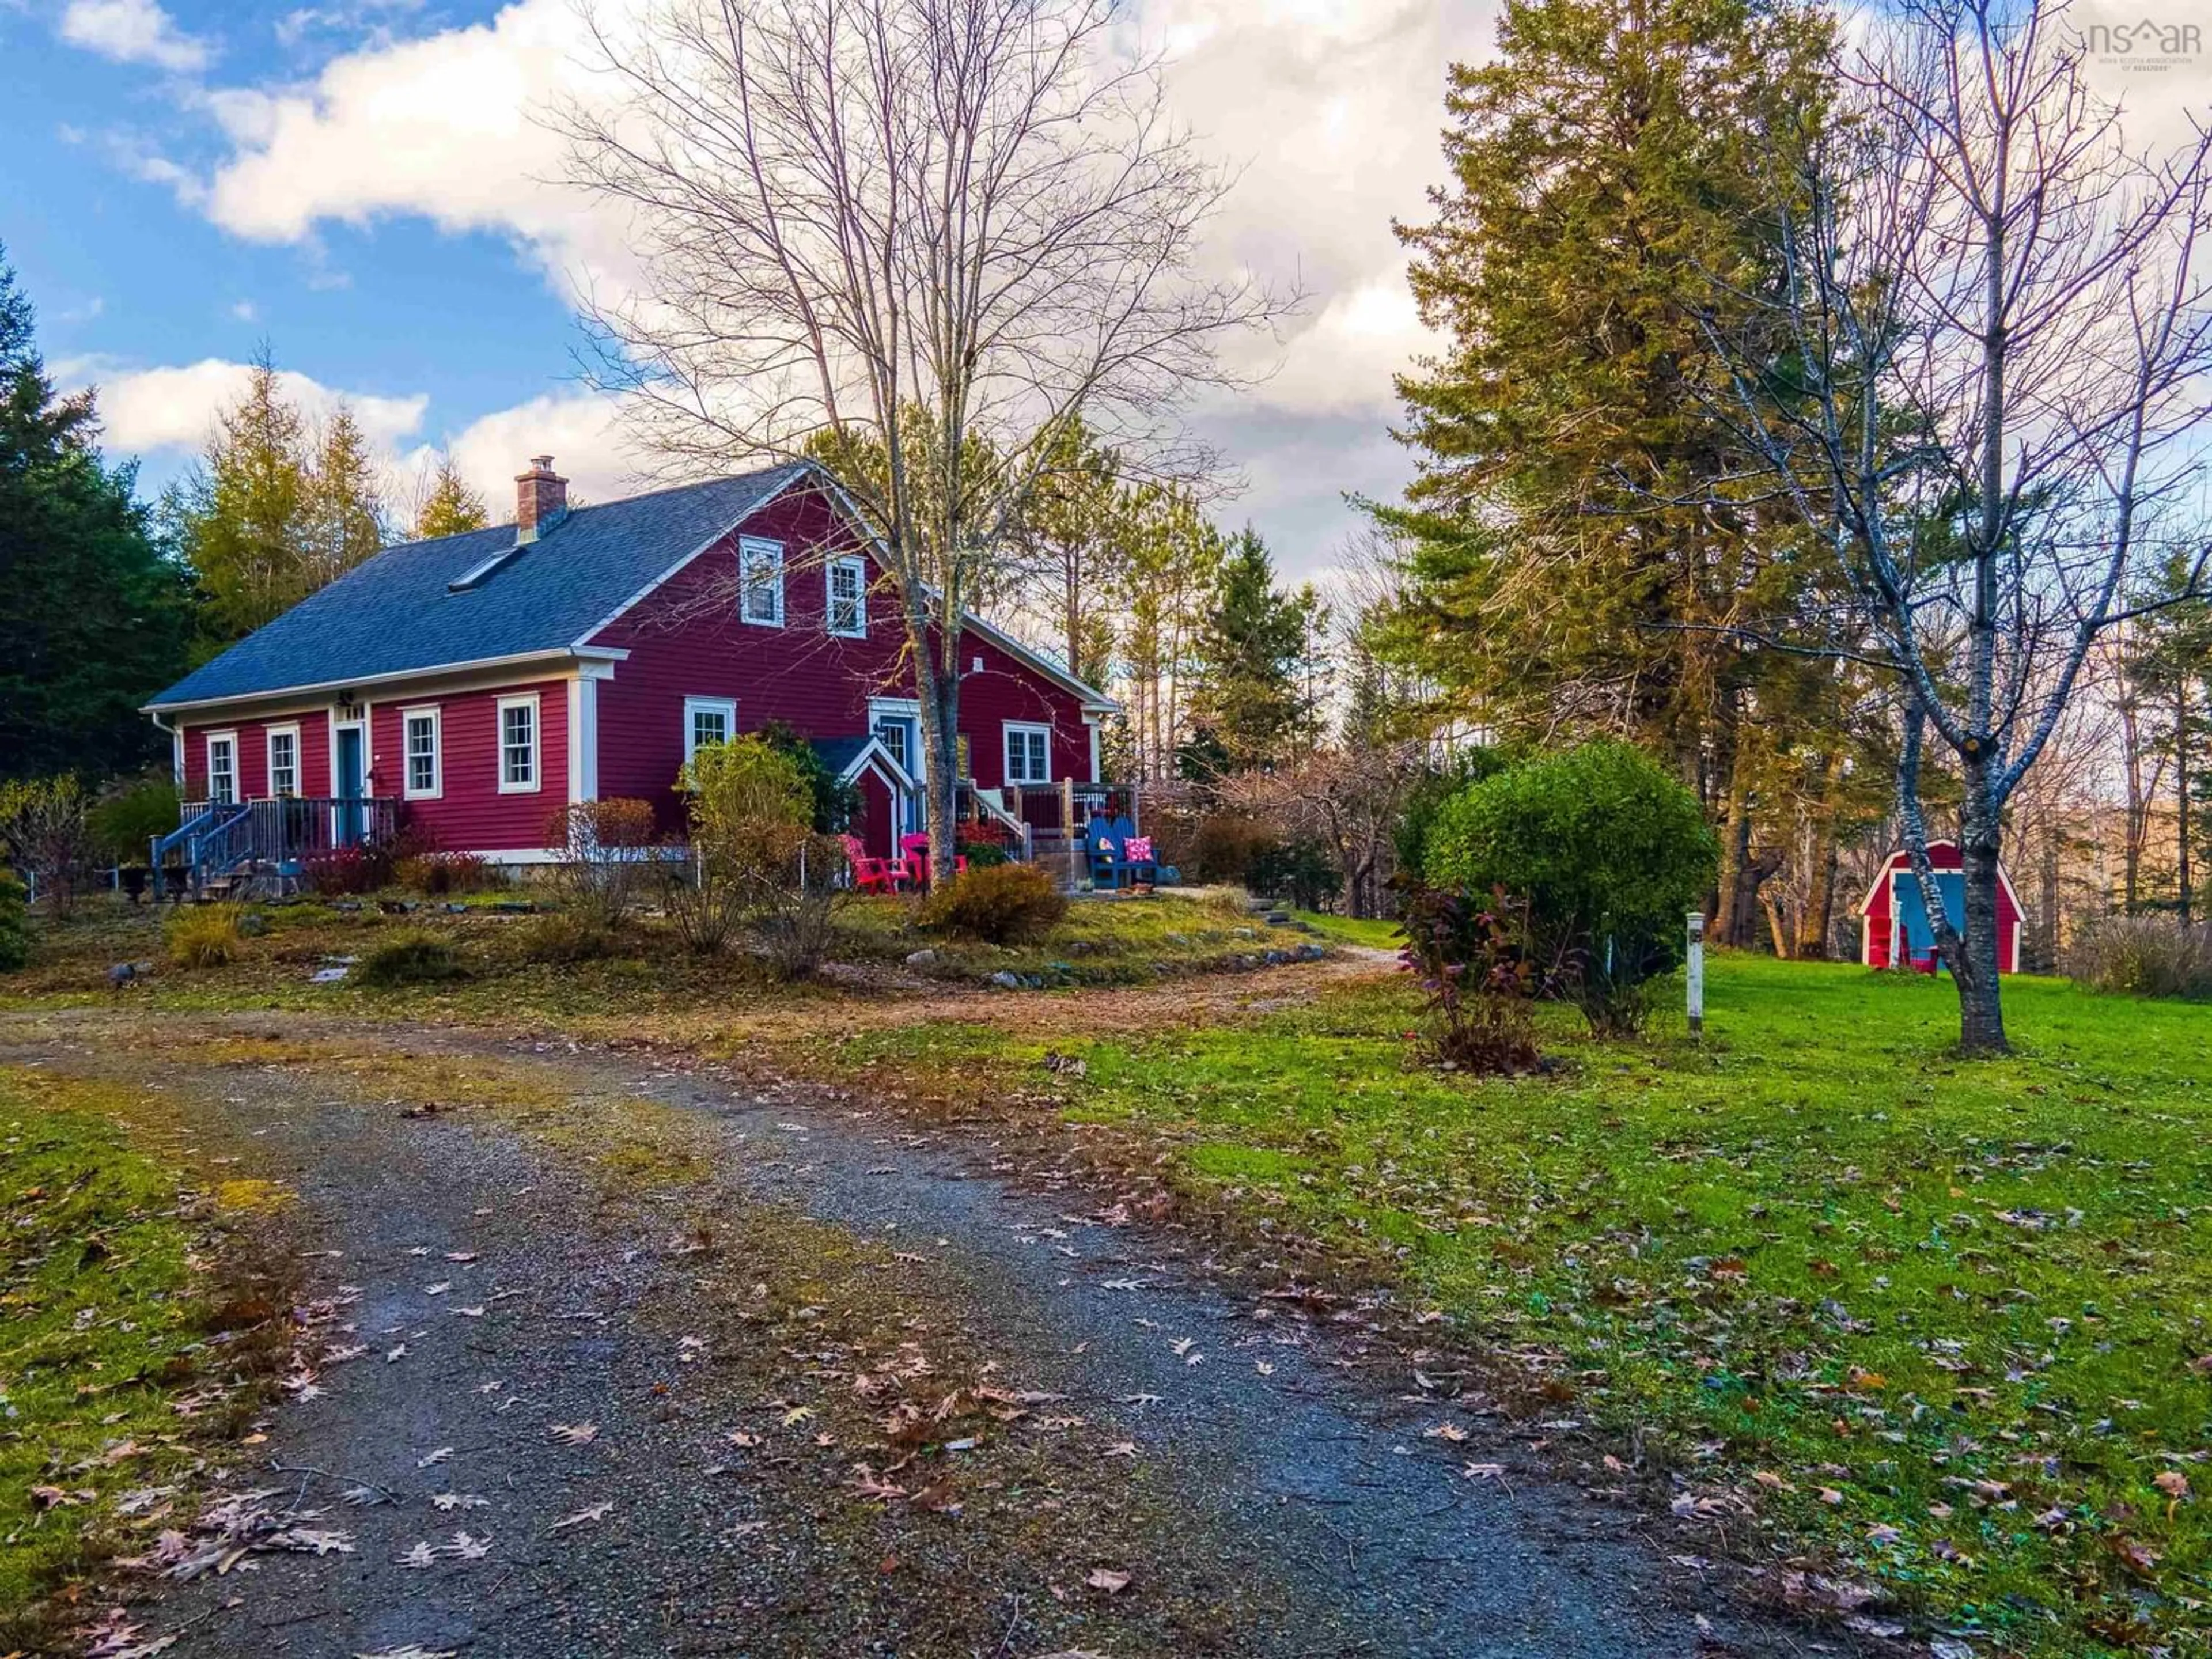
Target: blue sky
(357,184)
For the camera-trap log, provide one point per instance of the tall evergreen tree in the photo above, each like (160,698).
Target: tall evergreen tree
(1249,706)
(342,517)
(2169,671)
(236,519)
(449,507)
(92,620)
(1577,562)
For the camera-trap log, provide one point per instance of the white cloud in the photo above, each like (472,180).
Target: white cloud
(246,311)
(1329,109)
(582,431)
(150,410)
(133,32)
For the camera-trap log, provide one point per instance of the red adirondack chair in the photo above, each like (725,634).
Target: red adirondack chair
(915,855)
(870,873)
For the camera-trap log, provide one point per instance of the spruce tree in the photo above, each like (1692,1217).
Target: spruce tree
(342,508)
(1605,168)
(1250,707)
(92,620)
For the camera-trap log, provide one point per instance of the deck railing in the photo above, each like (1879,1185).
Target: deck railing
(217,839)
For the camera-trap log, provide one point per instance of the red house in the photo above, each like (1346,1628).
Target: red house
(475,684)
(1894,929)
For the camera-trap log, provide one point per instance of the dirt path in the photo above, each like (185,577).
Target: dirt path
(852,1391)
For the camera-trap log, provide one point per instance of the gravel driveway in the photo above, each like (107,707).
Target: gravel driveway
(792,1375)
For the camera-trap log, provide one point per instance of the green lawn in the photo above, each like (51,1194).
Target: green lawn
(109,1303)
(1944,1322)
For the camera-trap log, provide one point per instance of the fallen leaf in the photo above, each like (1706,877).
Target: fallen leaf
(2173,1482)
(430,1458)
(574,1434)
(582,1517)
(1106,1579)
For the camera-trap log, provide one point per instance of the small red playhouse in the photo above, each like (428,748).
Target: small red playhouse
(1894,931)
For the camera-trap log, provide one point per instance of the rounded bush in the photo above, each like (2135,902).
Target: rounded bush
(1000,904)
(204,935)
(418,958)
(1609,853)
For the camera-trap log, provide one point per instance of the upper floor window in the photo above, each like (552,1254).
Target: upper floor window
(707,721)
(1028,753)
(760,571)
(518,743)
(420,728)
(223,767)
(848,596)
(283,760)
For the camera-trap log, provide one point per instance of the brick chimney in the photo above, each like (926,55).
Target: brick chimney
(541,500)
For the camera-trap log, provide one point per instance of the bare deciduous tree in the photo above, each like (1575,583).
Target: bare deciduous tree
(919,240)
(1995,315)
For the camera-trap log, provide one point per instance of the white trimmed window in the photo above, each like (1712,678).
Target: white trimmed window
(848,598)
(760,569)
(1028,753)
(421,743)
(283,760)
(707,722)
(518,744)
(222,767)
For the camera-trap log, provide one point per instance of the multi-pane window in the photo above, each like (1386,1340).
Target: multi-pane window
(421,733)
(1029,754)
(707,721)
(848,596)
(284,760)
(517,743)
(222,769)
(893,735)
(760,566)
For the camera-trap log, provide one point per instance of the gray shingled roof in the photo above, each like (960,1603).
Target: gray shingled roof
(395,612)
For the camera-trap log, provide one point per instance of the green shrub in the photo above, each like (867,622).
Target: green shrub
(1608,851)
(203,935)
(566,936)
(414,957)
(2141,955)
(15,924)
(1002,904)
(1466,768)
(129,815)
(1299,873)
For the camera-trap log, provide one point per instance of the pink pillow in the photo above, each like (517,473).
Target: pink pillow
(1138,849)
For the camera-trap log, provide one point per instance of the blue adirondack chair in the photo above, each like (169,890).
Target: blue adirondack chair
(1110,865)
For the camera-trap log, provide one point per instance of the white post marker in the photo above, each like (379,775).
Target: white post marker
(1697,973)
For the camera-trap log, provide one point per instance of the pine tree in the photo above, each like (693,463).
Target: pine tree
(450,507)
(2169,672)
(1249,706)
(92,620)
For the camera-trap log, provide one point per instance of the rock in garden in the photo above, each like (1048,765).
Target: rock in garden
(920,958)
(1007,981)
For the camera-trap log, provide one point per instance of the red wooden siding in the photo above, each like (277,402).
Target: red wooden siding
(686,641)
(253,754)
(470,814)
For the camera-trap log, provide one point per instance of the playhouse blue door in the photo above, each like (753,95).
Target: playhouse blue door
(1912,910)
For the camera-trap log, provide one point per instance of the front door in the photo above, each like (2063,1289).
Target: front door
(352,784)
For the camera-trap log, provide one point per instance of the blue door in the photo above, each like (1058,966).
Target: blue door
(351,784)
(1912,910)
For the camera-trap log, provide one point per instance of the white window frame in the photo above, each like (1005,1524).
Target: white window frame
(859,567)
(228,739)
(757,551)
(694,706)
(1024,729)
(523,700)
(434,713)
(291,730)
